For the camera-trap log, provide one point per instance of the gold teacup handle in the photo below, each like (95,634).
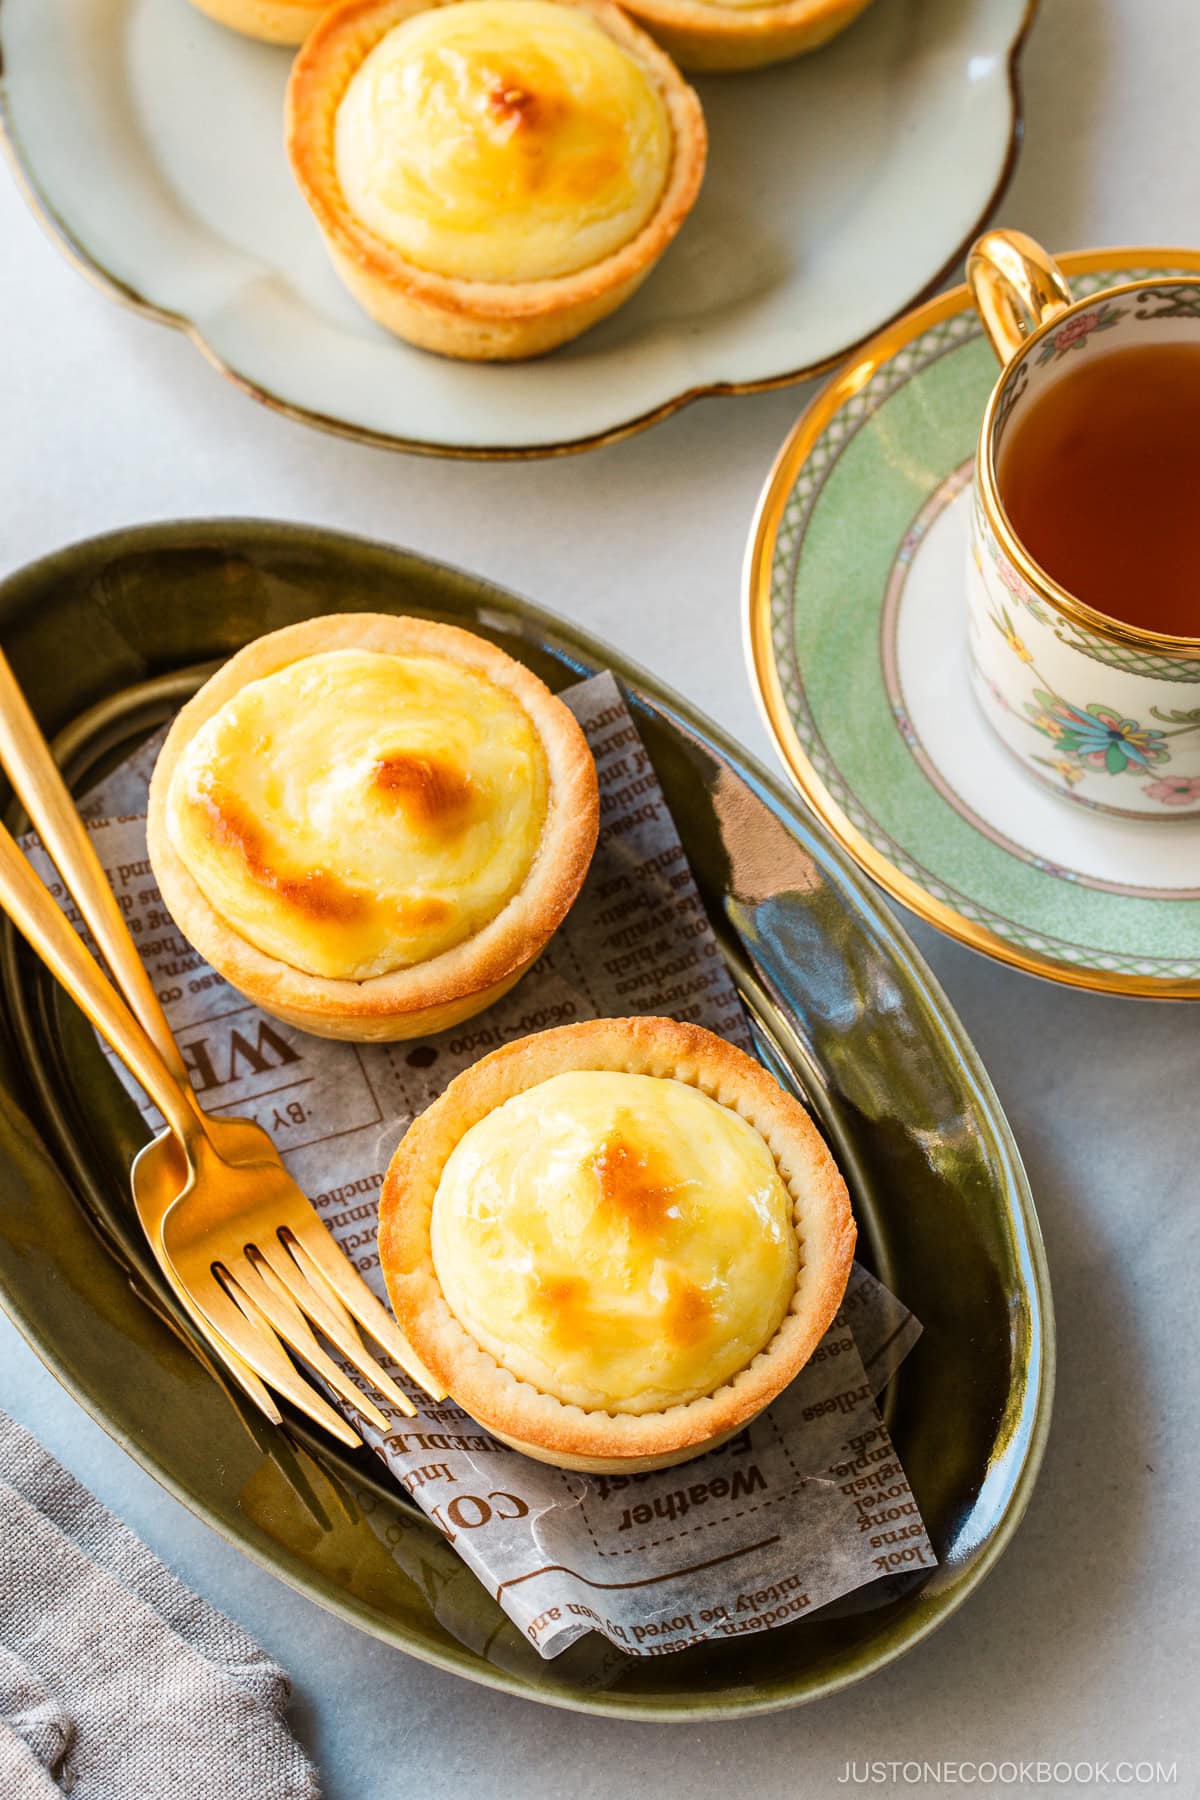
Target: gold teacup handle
(1016,287)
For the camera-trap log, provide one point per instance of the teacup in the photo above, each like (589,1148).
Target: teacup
(1104,712)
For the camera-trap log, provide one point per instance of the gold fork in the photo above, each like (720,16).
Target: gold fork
(252,1356)
(275,1281)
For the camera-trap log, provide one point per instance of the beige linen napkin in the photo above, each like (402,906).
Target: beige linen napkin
(116,1681)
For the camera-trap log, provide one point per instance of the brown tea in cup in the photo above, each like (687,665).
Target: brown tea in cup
(1099,474)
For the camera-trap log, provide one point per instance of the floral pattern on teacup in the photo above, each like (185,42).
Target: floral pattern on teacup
(1096,735)
(1008,632)
(1076,332)
(1019,589)
(1016,584)
(1174,790)
(1063,767)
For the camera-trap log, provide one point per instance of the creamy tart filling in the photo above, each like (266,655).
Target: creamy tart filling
(502,140)
(358,812)
(620,1241)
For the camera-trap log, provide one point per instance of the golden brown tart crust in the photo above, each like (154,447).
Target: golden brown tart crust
(515,1410)
(425,996)
(477,320)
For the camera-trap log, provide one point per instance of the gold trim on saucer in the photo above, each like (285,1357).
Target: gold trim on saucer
(117,289)
(764,673)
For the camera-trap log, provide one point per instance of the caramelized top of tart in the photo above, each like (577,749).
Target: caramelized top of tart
(502,140)
(358,812)
(621,1241)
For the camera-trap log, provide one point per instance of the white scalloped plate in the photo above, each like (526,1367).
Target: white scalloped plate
(840,187)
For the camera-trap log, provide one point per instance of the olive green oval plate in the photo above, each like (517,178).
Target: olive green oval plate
(107,637)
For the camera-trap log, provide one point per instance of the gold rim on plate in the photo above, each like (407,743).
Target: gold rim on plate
(61,235)
(764,673)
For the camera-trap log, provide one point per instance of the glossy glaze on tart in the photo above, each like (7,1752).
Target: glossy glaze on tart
(491,176)
(615,1242)
(371,825)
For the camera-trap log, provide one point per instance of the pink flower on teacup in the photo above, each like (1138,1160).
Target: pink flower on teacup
(1074,333)
(1012,581)
(1074,329)
(1174,790)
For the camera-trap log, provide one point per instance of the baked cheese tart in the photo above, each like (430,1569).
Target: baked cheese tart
(371,825)
(491,177)
(717,35)
(615,1242)
(274,21)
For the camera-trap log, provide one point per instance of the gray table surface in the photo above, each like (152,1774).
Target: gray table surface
(1083,1646)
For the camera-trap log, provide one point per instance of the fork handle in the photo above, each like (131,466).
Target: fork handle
(37,917)
(28,762)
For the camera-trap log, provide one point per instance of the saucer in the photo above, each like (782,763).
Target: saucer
(856,637)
